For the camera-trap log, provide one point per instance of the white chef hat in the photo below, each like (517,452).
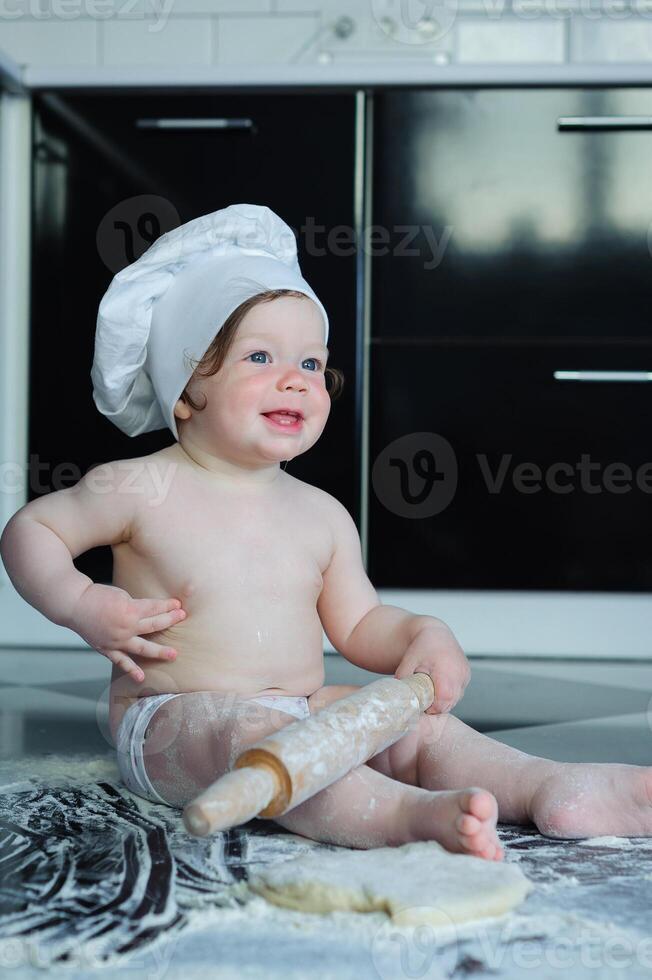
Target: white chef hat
(166,308)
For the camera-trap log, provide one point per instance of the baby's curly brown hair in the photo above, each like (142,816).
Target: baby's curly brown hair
(214,357)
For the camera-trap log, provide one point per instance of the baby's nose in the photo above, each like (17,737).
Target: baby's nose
(293,378)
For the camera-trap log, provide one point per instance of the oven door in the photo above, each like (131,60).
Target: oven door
(511,366)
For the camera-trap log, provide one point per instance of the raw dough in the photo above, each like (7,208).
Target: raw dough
(415,884)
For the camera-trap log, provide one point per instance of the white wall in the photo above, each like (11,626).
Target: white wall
(169,34)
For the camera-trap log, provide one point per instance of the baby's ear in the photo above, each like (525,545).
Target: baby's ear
(182,410)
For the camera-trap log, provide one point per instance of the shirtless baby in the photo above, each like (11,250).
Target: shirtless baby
(226,568)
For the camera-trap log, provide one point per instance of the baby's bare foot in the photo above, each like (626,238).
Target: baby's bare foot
(594,799)
(462,821)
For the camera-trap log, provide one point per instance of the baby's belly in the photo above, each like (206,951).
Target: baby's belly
(253,658)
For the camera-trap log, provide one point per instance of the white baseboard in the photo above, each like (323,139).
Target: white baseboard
(537,624)
(602,626)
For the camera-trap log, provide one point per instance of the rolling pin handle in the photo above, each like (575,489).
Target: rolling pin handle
(231,800)
(423,687)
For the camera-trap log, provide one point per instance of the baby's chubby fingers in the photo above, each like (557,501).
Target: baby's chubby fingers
(158,614)
(140,647)
(127,665)
(435,651)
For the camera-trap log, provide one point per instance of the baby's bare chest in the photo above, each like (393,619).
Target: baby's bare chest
(204,547)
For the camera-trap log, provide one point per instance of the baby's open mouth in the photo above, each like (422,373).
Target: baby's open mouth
(284,418)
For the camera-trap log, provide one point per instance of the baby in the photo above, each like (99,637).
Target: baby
(226,567)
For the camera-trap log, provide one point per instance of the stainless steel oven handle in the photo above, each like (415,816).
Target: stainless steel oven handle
(583,123)
(602,375)
(163,123)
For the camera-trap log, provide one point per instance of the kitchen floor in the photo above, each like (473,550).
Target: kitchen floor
(93,876)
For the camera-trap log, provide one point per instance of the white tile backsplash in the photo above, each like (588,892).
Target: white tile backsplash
(510,42)
(324,7)
(101,10)
(53,42)
(359,36)
(349,31)
(75,11)
(178,41)
(271,40)
(401,9)
(605,41)
(213,7)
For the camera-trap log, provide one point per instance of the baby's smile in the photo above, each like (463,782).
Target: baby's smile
(291,422)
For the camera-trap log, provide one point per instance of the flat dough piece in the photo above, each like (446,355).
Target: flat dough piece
(415,884)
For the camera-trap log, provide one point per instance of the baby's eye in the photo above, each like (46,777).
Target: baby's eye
(317,362)
(264,353)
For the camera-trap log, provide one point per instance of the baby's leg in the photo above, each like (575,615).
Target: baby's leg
(562,799)
(195,738)
(368,809)
(442,753)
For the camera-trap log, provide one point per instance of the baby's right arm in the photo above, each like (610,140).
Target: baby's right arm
(38,546)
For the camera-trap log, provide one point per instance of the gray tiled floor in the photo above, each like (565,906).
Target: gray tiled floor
(579,711)
(53,700)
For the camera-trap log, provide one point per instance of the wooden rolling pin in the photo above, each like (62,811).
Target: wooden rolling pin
(286,768)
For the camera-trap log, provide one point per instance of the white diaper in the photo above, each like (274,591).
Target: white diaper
(130,736)
(295,706)
(130,739)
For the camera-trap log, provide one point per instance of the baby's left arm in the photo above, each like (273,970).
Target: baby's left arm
(382,638)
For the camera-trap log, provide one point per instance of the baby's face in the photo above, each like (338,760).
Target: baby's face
(277,360)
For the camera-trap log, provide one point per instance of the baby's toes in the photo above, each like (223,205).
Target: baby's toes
(468,825)
(476,825)
(494,852)
(480,845)
(477,843)
(474,847)
(481,804)
(482,841)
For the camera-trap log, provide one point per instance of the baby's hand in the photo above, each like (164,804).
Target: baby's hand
(435,651)
(112,623)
